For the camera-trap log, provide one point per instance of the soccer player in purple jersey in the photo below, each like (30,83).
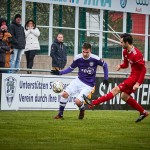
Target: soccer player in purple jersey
(87,64)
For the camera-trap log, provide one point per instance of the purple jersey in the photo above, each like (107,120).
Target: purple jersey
(87,68)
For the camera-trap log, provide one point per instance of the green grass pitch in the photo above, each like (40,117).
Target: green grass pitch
(99,130)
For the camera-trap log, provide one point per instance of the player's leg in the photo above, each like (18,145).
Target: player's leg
(120,88)
(70,89)
(133,103)
(104,98)
(81,108)
(62,105)
(91,93)
(127,89)
(82,89)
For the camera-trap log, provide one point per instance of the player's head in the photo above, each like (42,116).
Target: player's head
(126,40)
(60,37)
(86,50)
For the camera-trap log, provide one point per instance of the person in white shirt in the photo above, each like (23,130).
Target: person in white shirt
(32,43)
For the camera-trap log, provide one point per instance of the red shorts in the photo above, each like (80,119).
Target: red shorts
(127,86)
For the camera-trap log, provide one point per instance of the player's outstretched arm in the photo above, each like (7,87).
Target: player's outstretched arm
(105,69)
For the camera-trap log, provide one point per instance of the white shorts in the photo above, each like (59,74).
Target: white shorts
(79,88)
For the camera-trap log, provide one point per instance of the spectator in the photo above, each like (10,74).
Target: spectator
(8,39)
(3,49)
(32,44)
(3,21)
(58,53)
(18,37)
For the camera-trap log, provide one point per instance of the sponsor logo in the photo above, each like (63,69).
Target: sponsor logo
(10,89)
(89,70)
(91,64)
(142,2)
(102,3)
(123,3)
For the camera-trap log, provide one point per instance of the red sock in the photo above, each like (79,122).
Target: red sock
(102,99)
(133,103)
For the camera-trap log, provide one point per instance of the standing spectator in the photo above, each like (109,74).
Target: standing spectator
(3,49)
(32,44)
(58,53)
(18,36)
(8,39)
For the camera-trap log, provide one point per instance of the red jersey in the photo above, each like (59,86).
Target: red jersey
(136,60)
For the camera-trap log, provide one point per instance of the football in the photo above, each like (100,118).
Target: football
(58,86)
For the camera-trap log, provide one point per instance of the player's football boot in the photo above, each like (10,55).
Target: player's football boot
(88,101)
(58,117)
(142,116)
(81,114)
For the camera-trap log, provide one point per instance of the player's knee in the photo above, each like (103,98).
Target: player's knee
(124,96)
(78,102)
(65,94)
(115,90)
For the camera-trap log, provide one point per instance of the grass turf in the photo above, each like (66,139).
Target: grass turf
(107,130)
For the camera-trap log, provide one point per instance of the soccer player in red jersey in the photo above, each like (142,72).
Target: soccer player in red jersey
(135,58)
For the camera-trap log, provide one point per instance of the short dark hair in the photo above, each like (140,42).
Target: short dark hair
(60,33)
(127,38)
(86,45)
(17,16)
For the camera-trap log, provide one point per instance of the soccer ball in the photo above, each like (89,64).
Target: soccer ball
(57,86)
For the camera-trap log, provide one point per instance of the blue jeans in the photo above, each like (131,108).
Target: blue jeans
(16,58)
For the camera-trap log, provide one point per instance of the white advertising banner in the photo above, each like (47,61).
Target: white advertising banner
(32,92)
(133,6)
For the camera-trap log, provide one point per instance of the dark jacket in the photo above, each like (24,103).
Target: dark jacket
(58,54)
(3,49)
(18,35)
